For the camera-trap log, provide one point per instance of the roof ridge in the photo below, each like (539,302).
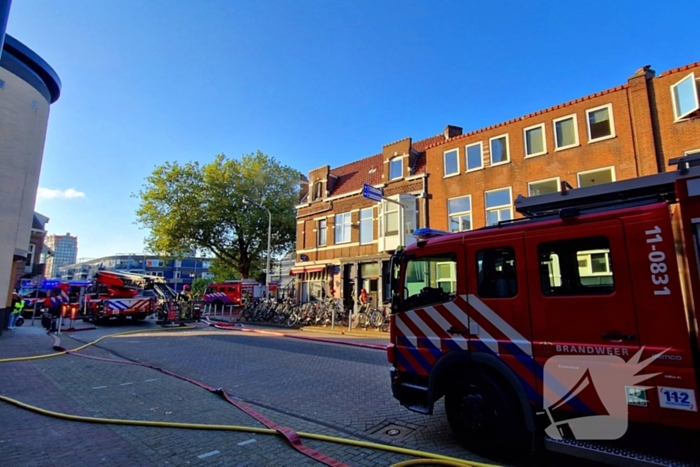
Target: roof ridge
(536,113)
(680,68)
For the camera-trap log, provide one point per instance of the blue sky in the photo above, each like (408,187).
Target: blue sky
(307,82)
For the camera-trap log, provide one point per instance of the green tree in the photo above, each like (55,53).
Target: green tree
(200,207)
(198,287)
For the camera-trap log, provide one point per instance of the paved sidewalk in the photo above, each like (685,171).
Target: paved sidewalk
(369,337)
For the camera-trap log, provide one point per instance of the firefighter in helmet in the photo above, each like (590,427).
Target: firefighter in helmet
(185,302)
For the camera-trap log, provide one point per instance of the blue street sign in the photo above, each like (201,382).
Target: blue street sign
(370,192)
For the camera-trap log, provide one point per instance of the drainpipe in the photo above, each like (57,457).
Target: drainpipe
(424,196)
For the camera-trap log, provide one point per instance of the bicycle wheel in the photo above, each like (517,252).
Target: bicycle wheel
(361,320)
(293,319)
(376,319)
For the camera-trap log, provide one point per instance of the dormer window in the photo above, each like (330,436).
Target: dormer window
(318,191)
(396,168)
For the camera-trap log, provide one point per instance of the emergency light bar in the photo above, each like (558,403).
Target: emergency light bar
(50,284)
(426,233)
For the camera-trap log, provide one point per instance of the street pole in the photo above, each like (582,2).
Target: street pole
(269,236)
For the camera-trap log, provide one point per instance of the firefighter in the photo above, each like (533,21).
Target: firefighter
(17,308)
(185,302)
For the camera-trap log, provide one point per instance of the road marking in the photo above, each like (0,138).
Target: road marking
(125,384)
(208,454)
(99,387)
(149,380)
(243,443)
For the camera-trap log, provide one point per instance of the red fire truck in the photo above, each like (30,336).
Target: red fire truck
(599,279)
(120,295)
(231,292)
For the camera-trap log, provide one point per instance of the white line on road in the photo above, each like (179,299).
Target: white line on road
(99,387)
(125,384)
(243,443)
(208,454)
(149,380)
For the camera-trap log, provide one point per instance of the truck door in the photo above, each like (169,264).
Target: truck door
(499,322)
(433,320)
(581,303)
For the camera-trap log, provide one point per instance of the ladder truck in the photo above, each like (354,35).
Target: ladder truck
(573,329)
(120,295)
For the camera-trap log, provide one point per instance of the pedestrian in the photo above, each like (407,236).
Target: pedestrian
(17,307)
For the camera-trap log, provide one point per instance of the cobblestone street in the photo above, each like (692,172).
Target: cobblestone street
(310,386)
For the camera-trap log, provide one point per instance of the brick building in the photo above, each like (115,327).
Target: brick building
(343,239)
(461,181)
(625,132)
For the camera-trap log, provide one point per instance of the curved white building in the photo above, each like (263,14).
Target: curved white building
(28,86)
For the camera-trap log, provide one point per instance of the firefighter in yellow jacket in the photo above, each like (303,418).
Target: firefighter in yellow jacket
(17,308)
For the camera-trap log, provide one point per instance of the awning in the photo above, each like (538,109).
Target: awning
(302,269)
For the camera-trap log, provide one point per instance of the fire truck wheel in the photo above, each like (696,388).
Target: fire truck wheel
(485,417)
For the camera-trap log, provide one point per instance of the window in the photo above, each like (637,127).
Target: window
(459,211)
(499,150)
(685,97)
(366,225)
(495,273)
(565,132)
(395,168)
(451,159)
(596,177)
(321,232)
(535,143)
(2,84)
(391,219)
(580,266)
(342,228)
(600,123)
(318,191)
(543,187)
(430,280)
(498,206)
(475,159)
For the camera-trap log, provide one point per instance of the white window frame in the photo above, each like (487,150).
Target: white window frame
(322,234)
(391,162)
(529,184)
(387,210)
(610,168)
(444,163)
(481,154)
(612,123)
(500,207)
(370,221)
(544,140)
(554,129)
(677,117)
(507,161)
(344,226)
(461,213)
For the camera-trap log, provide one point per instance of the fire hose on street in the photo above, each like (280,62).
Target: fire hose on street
(293,437)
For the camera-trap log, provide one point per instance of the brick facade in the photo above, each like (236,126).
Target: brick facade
(628,131)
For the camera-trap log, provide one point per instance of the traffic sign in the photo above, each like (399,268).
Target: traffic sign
(370,192)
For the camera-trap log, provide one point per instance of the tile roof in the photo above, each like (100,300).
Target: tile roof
(352,176)
(680,68)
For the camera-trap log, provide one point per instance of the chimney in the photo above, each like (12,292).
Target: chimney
(451,131)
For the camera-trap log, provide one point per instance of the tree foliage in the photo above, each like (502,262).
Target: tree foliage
(193,207)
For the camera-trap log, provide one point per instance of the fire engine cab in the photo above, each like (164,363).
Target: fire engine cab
(573,329)
(231,292)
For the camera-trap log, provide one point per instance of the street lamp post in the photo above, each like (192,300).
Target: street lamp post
(247,200)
